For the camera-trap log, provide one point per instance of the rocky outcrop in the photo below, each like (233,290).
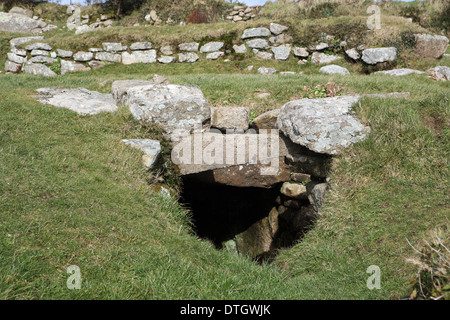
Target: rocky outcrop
(13,22)
(241,13)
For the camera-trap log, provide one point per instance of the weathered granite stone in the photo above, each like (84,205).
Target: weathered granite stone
(400,72)
(146,56)
(294,190)
(240,49)
(268,71)
(215,55)
(322,125)
(12,67)
(64,53)
(190,46)
(301,52)
(39,70)
(230,118)
(321,46)
(119,88)
(150,148)
(188,57)
(262,44)
(19,41)
(379,55)
(430,46)
(80,100)
(280,39)
(113,47)
(352,54)
(282,52)
(255,33)
(322,58)
(316,193)
(166,59)
(20,24)
(40,53)
(277,29)
(19,52)
(82,56)
(41,59)
(334,69)
(70,66)
(166,50)
(170,106)
(267,120)
(109,57)
(38,46)
(141,46)
(15,58)
(211,47)
(440,73)
(264,55)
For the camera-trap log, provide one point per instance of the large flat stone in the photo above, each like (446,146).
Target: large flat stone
(379,55)
(80,100)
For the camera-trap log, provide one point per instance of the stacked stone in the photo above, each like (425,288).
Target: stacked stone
(81,24)
(241,13)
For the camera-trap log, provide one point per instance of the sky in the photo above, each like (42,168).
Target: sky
(247,2)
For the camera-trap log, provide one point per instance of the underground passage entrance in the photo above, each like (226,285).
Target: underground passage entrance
(251,221)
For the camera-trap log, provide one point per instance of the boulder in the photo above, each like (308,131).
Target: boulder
(322,58)
(325,126)
(379,55)
(255,33)
(39,70)
(22,11)
(18,23)
(211,47)
(282,52)
(150,148)
(188,57)
(79,100)
(70,66)
(170,106)
(430,46)
(230,118)
(334,69)
(190,47)
(147,56)
(277,29)
(440,73)
(262,44)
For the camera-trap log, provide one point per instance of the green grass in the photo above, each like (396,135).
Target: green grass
(72,193)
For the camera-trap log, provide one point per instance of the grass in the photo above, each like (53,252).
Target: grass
(71,193)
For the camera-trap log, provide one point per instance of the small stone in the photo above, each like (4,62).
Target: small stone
(258,44)
(15,58)
(440,73)
(12,67)
(277,29)
(151,149)
(211,47)
(214,55)
(282,52)
(267,120)
(113,47)
(322,58)
(141,46)
(96,64)
(240,49)
(39,46)
(255,33)
(379,55)
(334,69)
(294,190)
(40,53)
(39,70)
(352,54)
(190,47)
(64,53)
(316,193)
(188,57)
(232,118)
(146,56)
(41,59)
(166,59)
(301,52)
(300,177)
(166,50)
(264,55)
(267,71)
